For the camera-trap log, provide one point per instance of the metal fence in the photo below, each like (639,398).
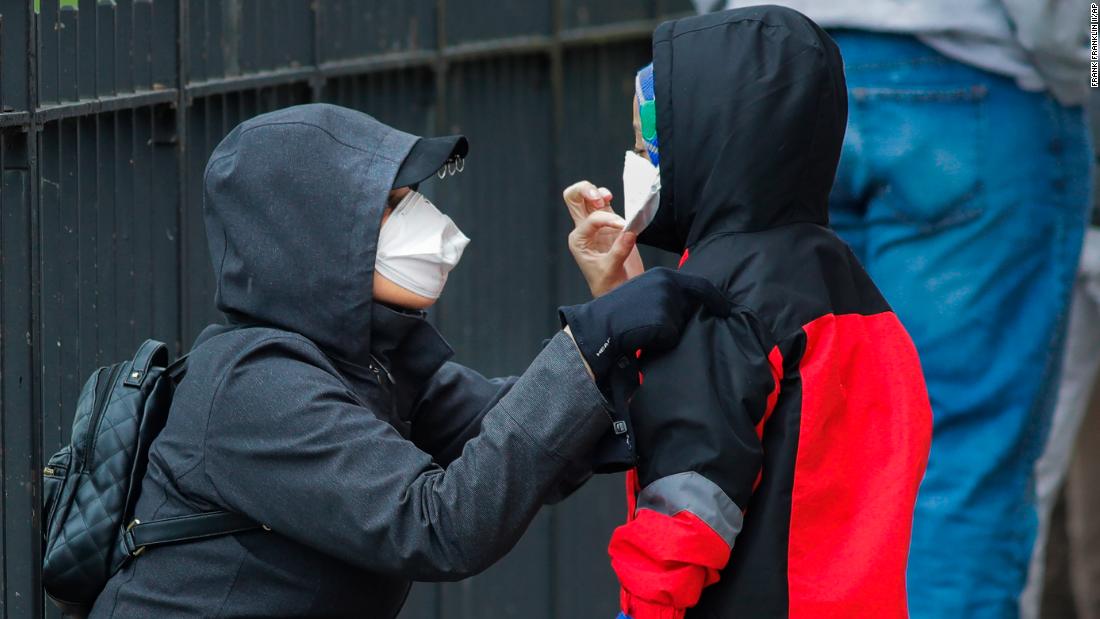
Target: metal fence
(108,112)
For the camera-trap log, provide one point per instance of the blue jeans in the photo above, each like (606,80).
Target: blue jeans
(966,199)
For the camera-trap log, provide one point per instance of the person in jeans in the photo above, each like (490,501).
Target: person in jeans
(1082,505)
(1069,460)
(961,190)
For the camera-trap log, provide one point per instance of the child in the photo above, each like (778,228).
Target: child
(779,450)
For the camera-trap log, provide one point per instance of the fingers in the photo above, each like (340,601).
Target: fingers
(574,192)
(597,200)
(589,226)
(596,232)
(575,200)
(705,292)
(621,249)
(652,339)
(583,198)
(698,289)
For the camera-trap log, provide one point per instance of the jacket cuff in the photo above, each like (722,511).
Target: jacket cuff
(556,402)
(637,608)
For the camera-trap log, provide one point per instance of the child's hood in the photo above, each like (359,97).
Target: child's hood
(751,111)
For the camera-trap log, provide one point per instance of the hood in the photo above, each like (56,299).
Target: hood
(293,203)
(751,112)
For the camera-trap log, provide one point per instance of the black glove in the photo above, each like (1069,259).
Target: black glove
(648,313)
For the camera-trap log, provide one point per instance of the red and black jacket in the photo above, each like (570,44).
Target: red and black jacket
(780,449)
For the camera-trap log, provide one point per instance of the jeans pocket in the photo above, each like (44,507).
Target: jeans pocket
(922,146)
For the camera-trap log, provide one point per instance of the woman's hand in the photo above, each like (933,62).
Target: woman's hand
(605,254)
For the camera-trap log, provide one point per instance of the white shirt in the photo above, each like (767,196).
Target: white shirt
(1042,44)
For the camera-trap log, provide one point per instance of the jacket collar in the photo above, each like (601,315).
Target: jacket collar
(406,350)
(406,345)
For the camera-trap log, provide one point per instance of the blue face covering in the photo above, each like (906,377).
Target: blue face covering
(647,110)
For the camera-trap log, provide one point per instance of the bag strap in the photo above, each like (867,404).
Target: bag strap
(151,353)
(177,369)
(141,535)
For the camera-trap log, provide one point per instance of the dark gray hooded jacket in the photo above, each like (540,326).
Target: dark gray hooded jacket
(334,420)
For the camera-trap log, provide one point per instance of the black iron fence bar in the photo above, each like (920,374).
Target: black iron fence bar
(611,33)
(112,103)
(252,81)
(316,85)
(440,67)
(392,61)
(477,50)
(15,119)
(557,93)
(183,69)
(37,600)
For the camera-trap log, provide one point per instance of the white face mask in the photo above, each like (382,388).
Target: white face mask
(418,246)
(641,191)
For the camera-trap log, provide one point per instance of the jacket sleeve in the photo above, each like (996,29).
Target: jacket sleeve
(449,412)
(289,446)
(698,418)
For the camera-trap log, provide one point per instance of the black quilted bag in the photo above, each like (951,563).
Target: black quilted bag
(90,487)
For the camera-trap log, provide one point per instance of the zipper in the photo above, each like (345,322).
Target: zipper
(376,367)
(56,471)
(102,395)
(54,475)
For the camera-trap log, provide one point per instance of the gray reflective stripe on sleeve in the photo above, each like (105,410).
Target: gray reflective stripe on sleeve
(691,492)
